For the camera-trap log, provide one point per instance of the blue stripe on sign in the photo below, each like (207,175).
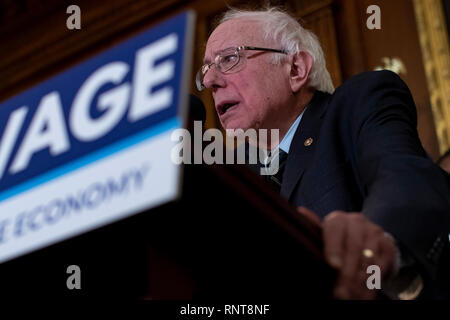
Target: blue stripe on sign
(90,158)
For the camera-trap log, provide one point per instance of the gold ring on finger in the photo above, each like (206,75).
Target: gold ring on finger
(368,253)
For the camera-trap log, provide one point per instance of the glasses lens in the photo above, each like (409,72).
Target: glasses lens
(199,79)
(204,69)
(228,61)
(225,62)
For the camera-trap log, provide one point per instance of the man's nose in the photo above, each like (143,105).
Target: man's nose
(213,78)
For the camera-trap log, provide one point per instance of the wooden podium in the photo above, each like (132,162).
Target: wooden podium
(229,236)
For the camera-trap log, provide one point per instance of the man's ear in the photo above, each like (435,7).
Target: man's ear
(301,65)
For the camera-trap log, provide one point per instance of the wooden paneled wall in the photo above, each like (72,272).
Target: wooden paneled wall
(362,49)
(36,43)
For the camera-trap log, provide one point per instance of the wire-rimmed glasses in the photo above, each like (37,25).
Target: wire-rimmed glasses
(227,61)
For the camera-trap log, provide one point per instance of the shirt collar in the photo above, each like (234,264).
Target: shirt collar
(285,144)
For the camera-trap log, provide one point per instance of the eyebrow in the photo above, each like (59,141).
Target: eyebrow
(216,53)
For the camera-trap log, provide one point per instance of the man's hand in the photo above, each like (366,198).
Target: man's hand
(345,237)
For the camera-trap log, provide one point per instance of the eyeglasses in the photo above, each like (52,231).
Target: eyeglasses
(228,61)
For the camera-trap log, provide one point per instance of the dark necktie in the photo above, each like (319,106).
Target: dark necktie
(277,179)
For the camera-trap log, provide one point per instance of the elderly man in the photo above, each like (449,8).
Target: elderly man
(350,159)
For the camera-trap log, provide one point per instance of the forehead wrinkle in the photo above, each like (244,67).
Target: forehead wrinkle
(234,33)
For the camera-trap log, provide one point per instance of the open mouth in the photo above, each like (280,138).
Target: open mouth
(227,106)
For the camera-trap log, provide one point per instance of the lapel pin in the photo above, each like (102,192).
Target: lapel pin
(308,142)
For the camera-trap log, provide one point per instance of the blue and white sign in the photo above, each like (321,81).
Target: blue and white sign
(92,145)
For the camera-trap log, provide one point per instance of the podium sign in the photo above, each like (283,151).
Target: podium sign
(92,145)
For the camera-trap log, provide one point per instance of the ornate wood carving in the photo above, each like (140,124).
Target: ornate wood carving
(436,59)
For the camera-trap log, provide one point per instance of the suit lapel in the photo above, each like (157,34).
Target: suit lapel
(303,144)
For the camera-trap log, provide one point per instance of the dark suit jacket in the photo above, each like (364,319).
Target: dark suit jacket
(366,157)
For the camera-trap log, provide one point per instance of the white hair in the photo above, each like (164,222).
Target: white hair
(284,29)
